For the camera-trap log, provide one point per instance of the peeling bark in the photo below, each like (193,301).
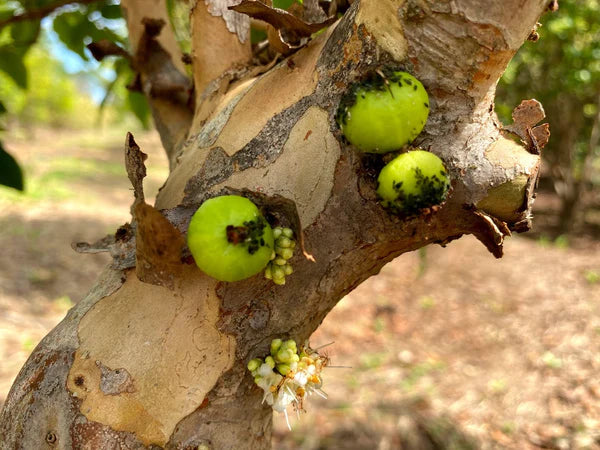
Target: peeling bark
(181,350)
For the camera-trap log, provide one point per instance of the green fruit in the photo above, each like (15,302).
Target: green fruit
(229,238)
(413,181)
(381,115)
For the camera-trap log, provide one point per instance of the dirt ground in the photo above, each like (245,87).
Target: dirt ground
(447,348)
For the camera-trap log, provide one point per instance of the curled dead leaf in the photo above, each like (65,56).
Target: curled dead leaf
(490,231)
(525,117)
(295,28)
(135,167)
(159,247)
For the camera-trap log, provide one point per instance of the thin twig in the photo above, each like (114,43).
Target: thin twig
(40,13)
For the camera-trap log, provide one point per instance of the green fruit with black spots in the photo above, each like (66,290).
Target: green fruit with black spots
(413,181)
(383,114)
(229,238)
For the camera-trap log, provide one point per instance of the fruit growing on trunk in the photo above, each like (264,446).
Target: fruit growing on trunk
(413,181)
(229,238)
(384,113)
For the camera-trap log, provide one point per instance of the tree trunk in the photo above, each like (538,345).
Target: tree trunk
(155,356)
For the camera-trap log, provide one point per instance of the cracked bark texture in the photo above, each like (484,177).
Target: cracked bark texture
(138,365)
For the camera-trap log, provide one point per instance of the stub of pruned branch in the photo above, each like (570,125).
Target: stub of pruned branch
(525,118)
(287,32)
(120,245)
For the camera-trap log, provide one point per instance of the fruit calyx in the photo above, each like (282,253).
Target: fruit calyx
(250,234)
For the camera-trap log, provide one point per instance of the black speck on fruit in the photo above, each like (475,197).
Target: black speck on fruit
(249,235)
(433,191)
(373,81)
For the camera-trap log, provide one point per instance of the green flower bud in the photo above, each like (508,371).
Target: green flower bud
(268,273)
(283,242)
(287,232)
(279,281)
(270,362)
(288,269)
(254,364)
(257,379)
(277,272)
(291,345)
(283,369)
(284,355)
(280,262)
(287,253)
(275,346)
(277,232)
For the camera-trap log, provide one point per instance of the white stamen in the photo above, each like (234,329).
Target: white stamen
(322,346)
(321,393)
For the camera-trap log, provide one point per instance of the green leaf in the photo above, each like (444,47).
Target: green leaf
(25,33)
(72,28)
(283,4)
(257,36)
(76,30)
(6,12)
(111,11)
(139,105)
(11,62)
(10,172)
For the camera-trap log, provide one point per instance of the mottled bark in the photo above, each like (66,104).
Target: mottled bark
(138,365)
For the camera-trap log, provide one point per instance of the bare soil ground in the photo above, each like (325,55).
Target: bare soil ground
(448,348)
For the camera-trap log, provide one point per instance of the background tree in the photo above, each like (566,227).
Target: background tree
(157,355)
(562,70)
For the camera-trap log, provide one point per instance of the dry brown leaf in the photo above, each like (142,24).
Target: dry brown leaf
(136,170)
(280,19)
(525,116)
(159,247)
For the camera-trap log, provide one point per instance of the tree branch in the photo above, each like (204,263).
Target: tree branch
(158,61)
(220,41)
(40,13)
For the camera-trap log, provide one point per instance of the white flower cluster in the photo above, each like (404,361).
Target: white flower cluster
(279,267)
(287,375)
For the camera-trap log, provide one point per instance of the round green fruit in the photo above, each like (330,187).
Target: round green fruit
(413,181)
(229,238)
(384,114)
